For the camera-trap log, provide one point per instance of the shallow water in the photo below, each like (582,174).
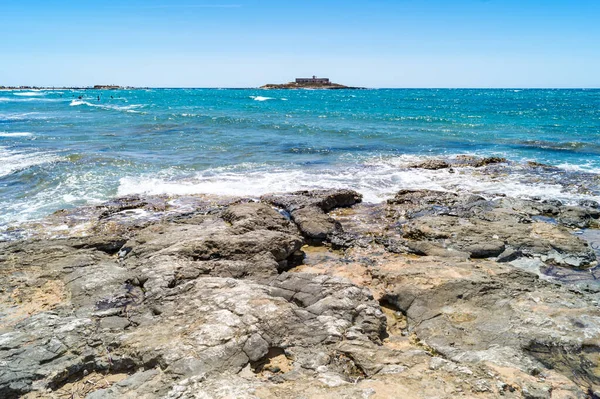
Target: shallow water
(59,151)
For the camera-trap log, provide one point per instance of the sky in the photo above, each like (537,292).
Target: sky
(247,43)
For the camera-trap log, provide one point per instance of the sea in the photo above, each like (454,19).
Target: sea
(61,149)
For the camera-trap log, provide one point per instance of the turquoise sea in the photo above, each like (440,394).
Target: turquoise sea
(66,148)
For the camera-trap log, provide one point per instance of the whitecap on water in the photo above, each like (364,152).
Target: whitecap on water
(586,168)
(12,160)
(16,134)
(261,98)
(24,116)
(30,93)
(126,108)
(377,179)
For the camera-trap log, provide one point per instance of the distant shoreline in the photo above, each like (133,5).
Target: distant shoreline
(272,87)
(97,87)
(265,87)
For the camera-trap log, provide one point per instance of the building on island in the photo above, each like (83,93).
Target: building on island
(314,79)
(107,87)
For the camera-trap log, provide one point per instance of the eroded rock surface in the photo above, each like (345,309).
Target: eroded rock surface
(308,209)
(428,295)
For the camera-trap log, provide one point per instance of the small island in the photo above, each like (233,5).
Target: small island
(108,87)
(309,83)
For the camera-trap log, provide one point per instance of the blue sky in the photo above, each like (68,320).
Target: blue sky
(238,43)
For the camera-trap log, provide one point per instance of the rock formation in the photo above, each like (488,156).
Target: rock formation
(305,294)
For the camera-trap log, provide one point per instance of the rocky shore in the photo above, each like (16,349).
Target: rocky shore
(309,294)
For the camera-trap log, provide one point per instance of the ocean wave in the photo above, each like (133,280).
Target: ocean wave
(30,93)
(125,108)
(12,161)
(261,98)
(377,179)
(582,168)
(560,145)
(23,116)
(31,99)
(16,134)
(75,103)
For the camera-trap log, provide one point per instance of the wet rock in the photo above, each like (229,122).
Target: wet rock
(433,164)
(508,255)
(533,164)
(476,162)
(484,229)
(589,204)
(430,197)
(553,203)
(578,217)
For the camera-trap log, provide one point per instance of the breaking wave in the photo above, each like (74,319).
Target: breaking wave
(261,98)
(125,108)
(12,161)
(30,93)
(376,179)
(16,134)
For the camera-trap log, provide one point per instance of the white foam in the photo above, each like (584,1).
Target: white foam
(127,108)
(588,168)
(30,93)
(377,180)
(12,161)
(16,134)
(30,99)
(24,116)
(261,98)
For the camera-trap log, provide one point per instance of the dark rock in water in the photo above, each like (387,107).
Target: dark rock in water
(419,297)
(476,162)
(432,164)
(577,217)
(554,203)
(121,204)
(589,204)
(544,166)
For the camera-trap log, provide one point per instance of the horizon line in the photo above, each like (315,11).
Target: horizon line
(91,87)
